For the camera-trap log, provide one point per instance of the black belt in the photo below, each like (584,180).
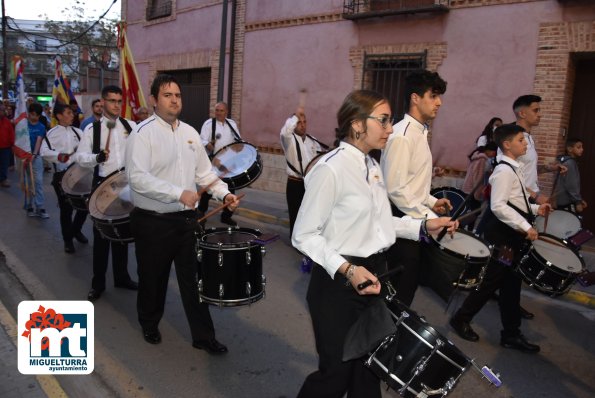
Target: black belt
(174,215)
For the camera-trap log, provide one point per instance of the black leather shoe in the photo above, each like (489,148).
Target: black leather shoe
(68,247)
(152,337)
(130,285)
(519,343)
(526,314)
(464,329)
(94,294)
(212,346)
(80,237)
(229,221)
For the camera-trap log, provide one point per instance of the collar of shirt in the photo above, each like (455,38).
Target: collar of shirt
(416,124)
(166,124)
(514,163)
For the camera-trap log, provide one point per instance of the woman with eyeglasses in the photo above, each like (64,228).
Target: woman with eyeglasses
(345,225)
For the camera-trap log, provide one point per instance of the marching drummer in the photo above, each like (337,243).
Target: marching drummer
(345,226)
(165,161)
(508,226)
(407,163)
(103,148)
(58,146)
(299,148)
(215,134)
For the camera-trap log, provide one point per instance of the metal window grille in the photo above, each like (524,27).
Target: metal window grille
(158,9)
(386,74)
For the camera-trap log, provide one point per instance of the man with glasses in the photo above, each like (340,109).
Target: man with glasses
(406,163)
(103,146)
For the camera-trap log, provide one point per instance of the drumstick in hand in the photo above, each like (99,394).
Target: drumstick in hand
(218,209)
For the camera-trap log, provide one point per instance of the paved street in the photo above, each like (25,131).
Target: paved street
(271,345)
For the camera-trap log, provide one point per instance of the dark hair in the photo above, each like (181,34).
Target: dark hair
(358,105)
(524,100)
(110,89)
(420,81)
(73,102)
(59,108)
(160,81)
(488,130)
(572,141)
(35,108)
(96,100)
(506,132)
(490,146)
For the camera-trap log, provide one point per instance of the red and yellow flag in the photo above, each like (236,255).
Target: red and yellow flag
(132,93)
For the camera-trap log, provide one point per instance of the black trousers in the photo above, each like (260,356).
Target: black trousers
(161,239)
(203,205)
(334,308)
(101,249)
(68,224)
(294,193)
(405,253)
(498,276)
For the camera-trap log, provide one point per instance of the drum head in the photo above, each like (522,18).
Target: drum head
(561,223)
(464,243)
(229,237)
(77,180)
(456,197)
(561,257)
(111,199)
(234,159)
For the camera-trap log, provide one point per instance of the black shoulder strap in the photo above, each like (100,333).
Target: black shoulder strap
(78,137)
(96,136)
(323,145)
(125,124)
(47,141)
(529,212)
(235,133)
(213,126)
(299,156)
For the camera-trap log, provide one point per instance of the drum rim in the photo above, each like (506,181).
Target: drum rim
(94,193)
(567,245)
(241,245)
(459,255)
(87,171)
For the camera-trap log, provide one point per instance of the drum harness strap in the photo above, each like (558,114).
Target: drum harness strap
(236,136)
(47,141)
(528,215)
(97,141)
(299,154)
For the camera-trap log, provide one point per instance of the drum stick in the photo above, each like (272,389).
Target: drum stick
(459,210)
(550,240)
(551,200)
(471,213)
(383,276)
(218,209)
(302,98)
(110,125)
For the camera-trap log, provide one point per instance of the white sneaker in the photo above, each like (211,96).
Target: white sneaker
(31,213)
(42,214)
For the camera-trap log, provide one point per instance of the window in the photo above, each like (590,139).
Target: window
(41,45)
(41,85)
(158,9)
(386,74)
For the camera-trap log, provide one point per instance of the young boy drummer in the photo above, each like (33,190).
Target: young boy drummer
(507,228)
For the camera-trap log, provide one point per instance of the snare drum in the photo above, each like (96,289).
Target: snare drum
(551,265)
(110,206)
(231,266)
(561,224)
(416,359)
(77,184)
(237,164)
(458,261)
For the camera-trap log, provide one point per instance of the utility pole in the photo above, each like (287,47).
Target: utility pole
(4,55)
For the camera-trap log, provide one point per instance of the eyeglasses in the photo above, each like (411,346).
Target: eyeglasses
(113,101)
(384,121)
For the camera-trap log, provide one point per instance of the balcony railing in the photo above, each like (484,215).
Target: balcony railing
(359,9)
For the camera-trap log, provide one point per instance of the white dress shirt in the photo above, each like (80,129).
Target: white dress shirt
(345,211)
(162,162)
(506,187)
(308,147)
(117,147)
(223,134)
(528,163)
(62,140)
(407,164)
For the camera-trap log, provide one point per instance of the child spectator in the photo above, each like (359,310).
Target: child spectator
(568,187)
(34,187)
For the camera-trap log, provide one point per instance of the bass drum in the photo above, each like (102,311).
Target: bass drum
(77,184)
(416,361)
(237,164)
(551,265)
(230,266)
(110,206)
(456,197)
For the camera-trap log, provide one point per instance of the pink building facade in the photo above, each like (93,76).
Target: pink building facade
(489,52)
